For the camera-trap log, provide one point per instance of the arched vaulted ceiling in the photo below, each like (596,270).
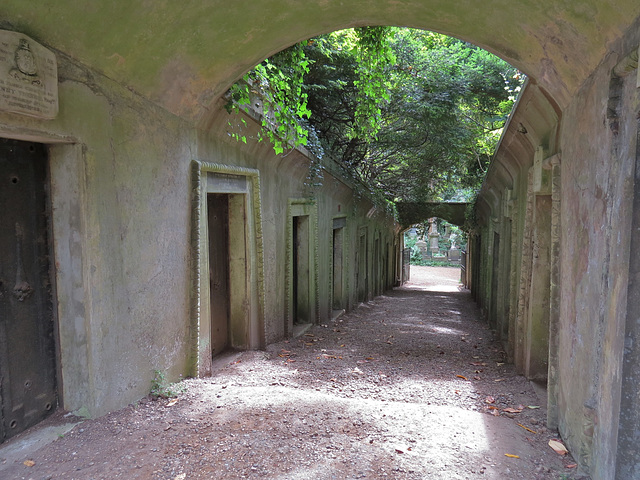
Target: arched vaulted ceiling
(184,54)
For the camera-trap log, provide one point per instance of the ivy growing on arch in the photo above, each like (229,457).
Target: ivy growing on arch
(373,57)
(277,84)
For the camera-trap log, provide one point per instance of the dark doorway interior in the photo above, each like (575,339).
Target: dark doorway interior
(362,268)
(28,390)
(338,268)
(218,210)
(493,307)
(377,284)
(301,280)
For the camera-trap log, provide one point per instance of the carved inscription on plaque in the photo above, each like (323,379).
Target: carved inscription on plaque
(28,77)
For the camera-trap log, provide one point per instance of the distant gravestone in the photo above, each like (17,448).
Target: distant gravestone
(422,246)
(453,254)
(433,238)
(28,77)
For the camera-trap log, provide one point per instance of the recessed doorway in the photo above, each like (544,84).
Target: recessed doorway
(338,268)
(301,300)
(227,304)
(301,273)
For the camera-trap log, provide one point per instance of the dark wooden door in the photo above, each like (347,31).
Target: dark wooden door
(301,270)
(338,248)
(218,207)
(27,343)
(362,272)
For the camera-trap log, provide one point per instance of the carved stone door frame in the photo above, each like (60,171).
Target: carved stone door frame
(249,318)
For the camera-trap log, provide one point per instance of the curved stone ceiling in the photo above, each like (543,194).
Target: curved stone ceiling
(184,54)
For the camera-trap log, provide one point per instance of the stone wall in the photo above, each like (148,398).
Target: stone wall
(118,173)
(562,183)
(122,194)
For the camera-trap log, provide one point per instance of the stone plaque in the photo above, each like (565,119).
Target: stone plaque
(28,77)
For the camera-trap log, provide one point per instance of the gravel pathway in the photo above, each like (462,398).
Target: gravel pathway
(408,386)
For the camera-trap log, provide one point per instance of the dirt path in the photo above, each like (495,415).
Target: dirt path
(409,386)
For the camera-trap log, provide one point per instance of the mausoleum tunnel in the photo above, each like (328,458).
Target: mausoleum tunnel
(140,129)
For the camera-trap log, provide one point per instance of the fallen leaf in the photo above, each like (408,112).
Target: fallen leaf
(527,429)
(462,377)
(500,363)
(478,364)
(558,447)
(495,413)
(511,410)
(29,463)
(499,379)
(571,465)
(511,456)
(492,407)
(533,407)
(399,451)
(172,403)
(369,358)
(490,399)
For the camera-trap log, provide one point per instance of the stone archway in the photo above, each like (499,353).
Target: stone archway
(184,58)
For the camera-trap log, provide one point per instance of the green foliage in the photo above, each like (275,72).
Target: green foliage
(445,117)
(444,243)
(373,56)
(161,388)
(437,124)
(470,220)
(277,85)
(414,115)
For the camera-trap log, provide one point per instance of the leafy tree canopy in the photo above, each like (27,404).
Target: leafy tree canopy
(416,115)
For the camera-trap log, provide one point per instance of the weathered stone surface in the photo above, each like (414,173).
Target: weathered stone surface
(580,280)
